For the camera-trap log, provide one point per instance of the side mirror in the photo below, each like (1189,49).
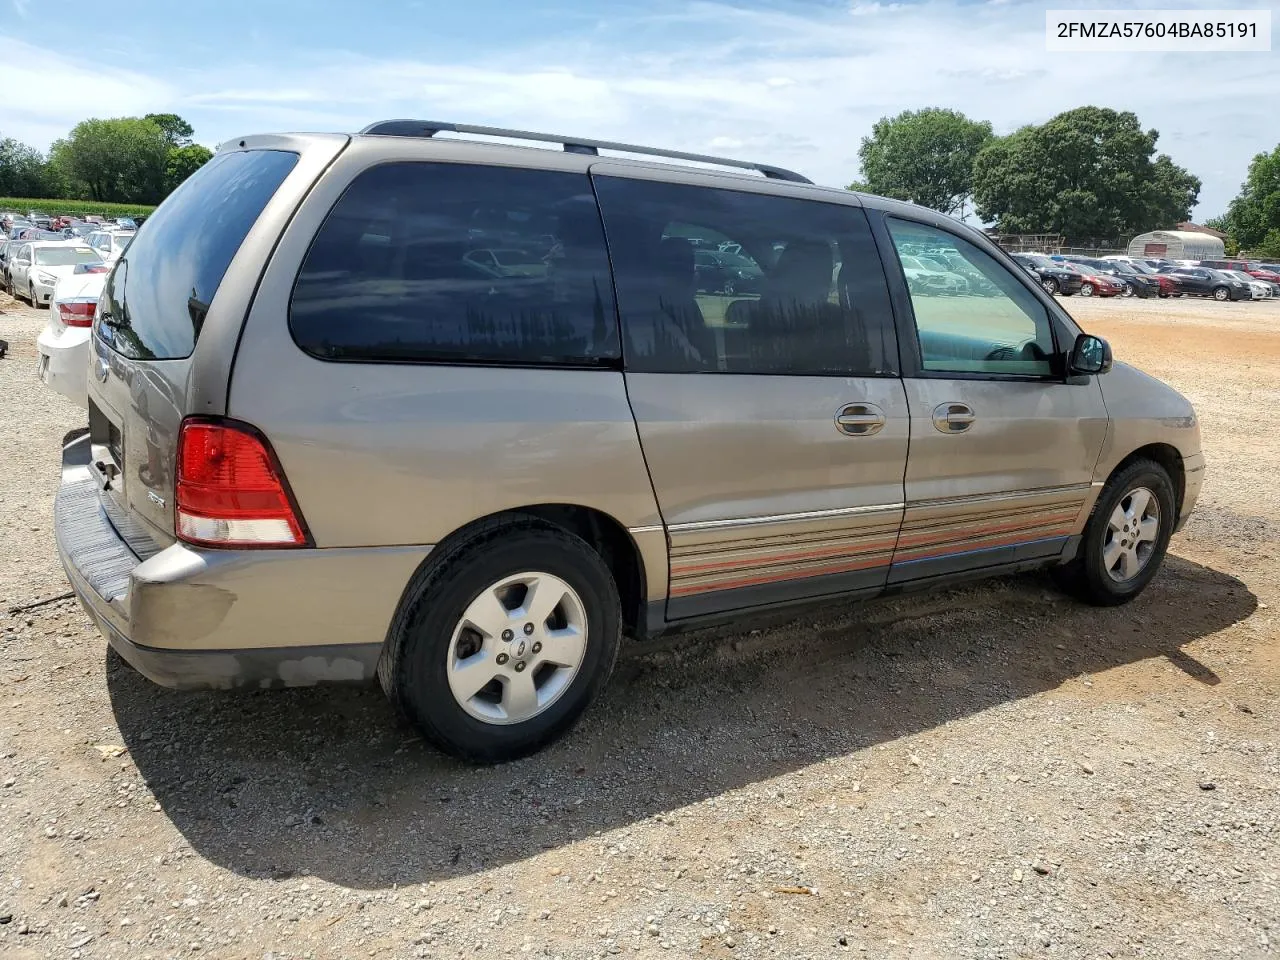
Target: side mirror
(1090,355)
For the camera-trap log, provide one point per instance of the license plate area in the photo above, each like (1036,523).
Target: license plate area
(107,445)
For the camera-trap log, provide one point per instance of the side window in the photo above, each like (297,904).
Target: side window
(974,316)
(721,281)
(458,263)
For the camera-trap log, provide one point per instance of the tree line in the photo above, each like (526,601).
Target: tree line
(122,160)
(1089,172)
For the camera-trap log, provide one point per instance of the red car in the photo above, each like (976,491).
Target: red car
(1097,284)
(1252,267)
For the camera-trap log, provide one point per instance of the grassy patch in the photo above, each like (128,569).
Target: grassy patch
(72,208)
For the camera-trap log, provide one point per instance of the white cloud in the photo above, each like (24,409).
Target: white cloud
(794,90)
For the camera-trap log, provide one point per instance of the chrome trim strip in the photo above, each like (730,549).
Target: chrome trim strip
(652,528)
(996,497)
(783,518)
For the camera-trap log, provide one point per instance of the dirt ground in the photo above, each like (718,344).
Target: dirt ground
(993,771)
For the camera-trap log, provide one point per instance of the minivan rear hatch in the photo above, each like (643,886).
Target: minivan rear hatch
(170,317)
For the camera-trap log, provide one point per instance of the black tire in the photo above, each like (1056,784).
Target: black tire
(1086,576)
(413,670)
(1221,294)
(1049,285)
(1066,293)
(1126,290)
(31,295)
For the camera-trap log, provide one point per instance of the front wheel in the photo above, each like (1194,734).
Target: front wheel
(1126,290)
(1221,293)
(504,641)
(1126,537)
(31,295)
(1049,285)
(1087,290)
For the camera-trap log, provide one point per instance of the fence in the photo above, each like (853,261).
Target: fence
(1053,243)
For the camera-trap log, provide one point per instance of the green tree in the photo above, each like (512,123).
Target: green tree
(121,160)
(1255,213)
(182,162)
(1268,246)
(176,130)
(1231,246)
(24,172)
(1089,172)
(924,156)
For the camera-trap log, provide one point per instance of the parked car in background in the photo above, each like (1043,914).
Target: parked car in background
(1135,283)
(1167,283)
(1096,283)
(43,221)
(109,244)
(39,265)
(1203,282)
(362,462)
(63,346)
(1053,276)
(1254,268)
(725,273)
(1258,289)
(932,276)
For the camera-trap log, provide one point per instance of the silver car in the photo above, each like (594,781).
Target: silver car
(324,446)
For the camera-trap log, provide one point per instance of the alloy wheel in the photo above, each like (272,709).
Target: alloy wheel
(1132,532)
(517,648)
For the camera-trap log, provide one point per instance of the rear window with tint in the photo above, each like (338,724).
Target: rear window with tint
(158,296)
(434,262)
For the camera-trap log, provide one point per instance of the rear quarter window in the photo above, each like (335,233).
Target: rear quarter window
(459,263)
(158,296)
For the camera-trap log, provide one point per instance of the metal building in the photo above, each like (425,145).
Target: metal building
(1177,245)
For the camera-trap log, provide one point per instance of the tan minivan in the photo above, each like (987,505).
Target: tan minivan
(462,414)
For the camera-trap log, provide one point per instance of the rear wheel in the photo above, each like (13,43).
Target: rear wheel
(1087,290)
(1221,293)
(1126,538)
(504,641)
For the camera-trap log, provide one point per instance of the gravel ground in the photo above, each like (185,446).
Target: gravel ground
(992,771)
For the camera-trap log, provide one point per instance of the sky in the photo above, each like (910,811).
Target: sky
(796,83)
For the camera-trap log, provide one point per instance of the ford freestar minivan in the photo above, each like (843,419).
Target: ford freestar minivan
(462,414)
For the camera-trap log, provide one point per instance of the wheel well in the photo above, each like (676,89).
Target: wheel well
(605,534)
(612,541)
(1169,458)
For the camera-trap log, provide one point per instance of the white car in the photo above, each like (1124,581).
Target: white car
(109,244)
(40,264)
(1258,289)
(63,345)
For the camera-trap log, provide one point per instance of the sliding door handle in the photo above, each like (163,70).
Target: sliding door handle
(953,417)
(860,419)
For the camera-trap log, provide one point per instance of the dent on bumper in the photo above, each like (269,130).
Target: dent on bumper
(204,618)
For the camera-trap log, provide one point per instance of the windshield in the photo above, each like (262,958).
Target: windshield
(1141,268)
(65,256)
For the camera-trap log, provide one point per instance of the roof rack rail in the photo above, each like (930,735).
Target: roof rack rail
(429,128)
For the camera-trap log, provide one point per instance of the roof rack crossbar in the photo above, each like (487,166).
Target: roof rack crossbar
(429,128)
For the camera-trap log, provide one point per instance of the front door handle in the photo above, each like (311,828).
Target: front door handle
(953,417)
(860,419)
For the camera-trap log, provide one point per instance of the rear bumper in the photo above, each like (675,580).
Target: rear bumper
(224,619)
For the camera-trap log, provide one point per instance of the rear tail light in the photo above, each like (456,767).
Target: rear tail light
(77,313)
(231,491)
